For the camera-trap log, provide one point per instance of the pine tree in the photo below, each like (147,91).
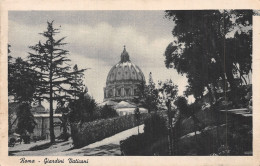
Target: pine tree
(51,63)
(77,82)
(149,95)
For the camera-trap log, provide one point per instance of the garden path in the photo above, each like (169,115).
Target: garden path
(105,147)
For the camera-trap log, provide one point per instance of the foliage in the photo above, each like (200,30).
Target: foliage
(240,139)
(150,94)
(50,61)
(182,104)
(137,117)
(26,139)
(155,127)
(169,88)
(38,138)
(22,82)
(206,50)
(137,113)
(21,75)
(134,145)
(154,130)
(65,124)
(85,109)
(26,121)
(64,136)
(64,110)
(89,132)
(108,112)
(76,84)
(82,109)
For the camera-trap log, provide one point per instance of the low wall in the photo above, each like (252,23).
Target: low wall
(212,118)
(90,132)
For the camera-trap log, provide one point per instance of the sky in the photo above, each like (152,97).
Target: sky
(96,39)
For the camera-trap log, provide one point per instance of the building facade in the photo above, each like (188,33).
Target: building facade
(123,80)
(42,119)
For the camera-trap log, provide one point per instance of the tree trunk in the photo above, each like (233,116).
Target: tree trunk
(52,136)
(233,88)
(64,126)
(211,98)
(170,129)
(138,128)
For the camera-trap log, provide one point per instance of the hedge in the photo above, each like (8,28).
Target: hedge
(89,132)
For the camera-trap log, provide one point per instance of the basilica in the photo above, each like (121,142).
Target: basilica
(123,80)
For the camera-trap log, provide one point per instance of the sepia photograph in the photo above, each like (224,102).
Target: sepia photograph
(130,83)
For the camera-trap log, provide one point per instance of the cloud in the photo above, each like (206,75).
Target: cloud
(105,42)
(99,46)
(100,41)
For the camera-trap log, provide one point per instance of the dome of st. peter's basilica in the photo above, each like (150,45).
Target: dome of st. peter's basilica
(123,80)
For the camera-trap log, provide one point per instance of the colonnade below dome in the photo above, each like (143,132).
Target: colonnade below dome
(119,92)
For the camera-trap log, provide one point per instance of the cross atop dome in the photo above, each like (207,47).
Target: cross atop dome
(124,56)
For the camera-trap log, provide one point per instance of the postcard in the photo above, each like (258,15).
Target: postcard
(129,83)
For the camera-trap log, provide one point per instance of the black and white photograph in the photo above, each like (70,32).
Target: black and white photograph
(130,83)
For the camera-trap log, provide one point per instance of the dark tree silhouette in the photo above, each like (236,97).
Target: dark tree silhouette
(51,63)
(22,83)
(205,50)
(148,95)
(26,121)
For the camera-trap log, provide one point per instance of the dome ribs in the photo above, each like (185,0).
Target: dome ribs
(124,77)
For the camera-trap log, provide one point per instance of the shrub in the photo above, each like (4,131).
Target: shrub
(82,109)
(86,110)
(26,123)
(108,112)
(182,104)
(194,107)
(155,127)
(38,138)
(26,139)
(134,145)
(64,136)
(85,133)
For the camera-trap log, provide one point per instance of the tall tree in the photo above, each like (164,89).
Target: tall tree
(169,89)
(77,85)
(22,83)
(51,63)
(149,95)
(82,109)
(206,51)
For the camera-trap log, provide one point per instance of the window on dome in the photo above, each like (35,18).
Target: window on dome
(110,93)
(135,92)
(118,92)
(127,92)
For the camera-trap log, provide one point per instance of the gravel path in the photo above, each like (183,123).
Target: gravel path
(106,147)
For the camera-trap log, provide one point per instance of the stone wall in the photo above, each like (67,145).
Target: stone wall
(90,132)
(219,128)
(210,117)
